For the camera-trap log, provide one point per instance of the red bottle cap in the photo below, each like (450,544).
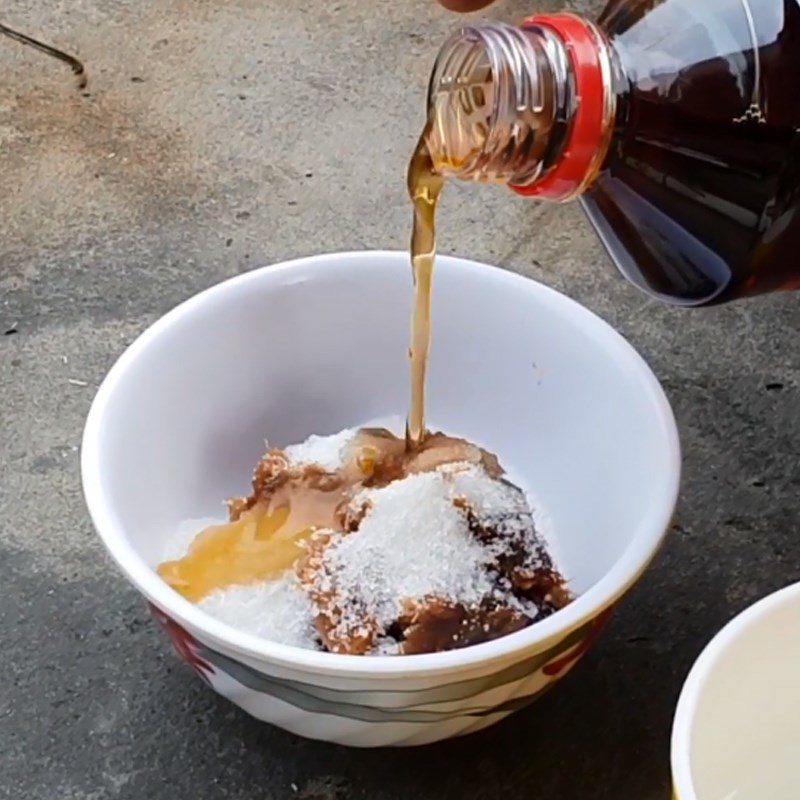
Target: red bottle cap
(587,126)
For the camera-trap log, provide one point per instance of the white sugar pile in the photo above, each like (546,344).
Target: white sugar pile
(278,610)
(413,543)
(327,451)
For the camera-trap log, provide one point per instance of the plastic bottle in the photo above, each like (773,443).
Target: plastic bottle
(676,124)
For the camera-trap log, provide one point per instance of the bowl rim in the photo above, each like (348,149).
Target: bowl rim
(623,573)
(701,673)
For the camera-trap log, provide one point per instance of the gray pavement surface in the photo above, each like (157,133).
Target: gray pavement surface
(219,136)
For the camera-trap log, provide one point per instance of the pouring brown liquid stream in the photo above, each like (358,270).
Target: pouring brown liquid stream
(424,187)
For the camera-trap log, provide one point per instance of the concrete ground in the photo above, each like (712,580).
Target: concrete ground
(218,136)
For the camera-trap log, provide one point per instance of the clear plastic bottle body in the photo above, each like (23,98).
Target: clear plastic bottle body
(695,187)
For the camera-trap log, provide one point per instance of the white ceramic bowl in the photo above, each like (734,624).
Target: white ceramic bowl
(737,726)
(319,344)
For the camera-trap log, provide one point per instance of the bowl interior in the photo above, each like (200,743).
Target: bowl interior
(321,344)
(741,716)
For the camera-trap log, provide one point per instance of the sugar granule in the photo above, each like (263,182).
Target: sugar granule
(327,451)
(278,610)
(412,543)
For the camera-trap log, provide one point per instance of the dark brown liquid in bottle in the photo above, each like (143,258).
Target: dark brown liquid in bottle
(699,198)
